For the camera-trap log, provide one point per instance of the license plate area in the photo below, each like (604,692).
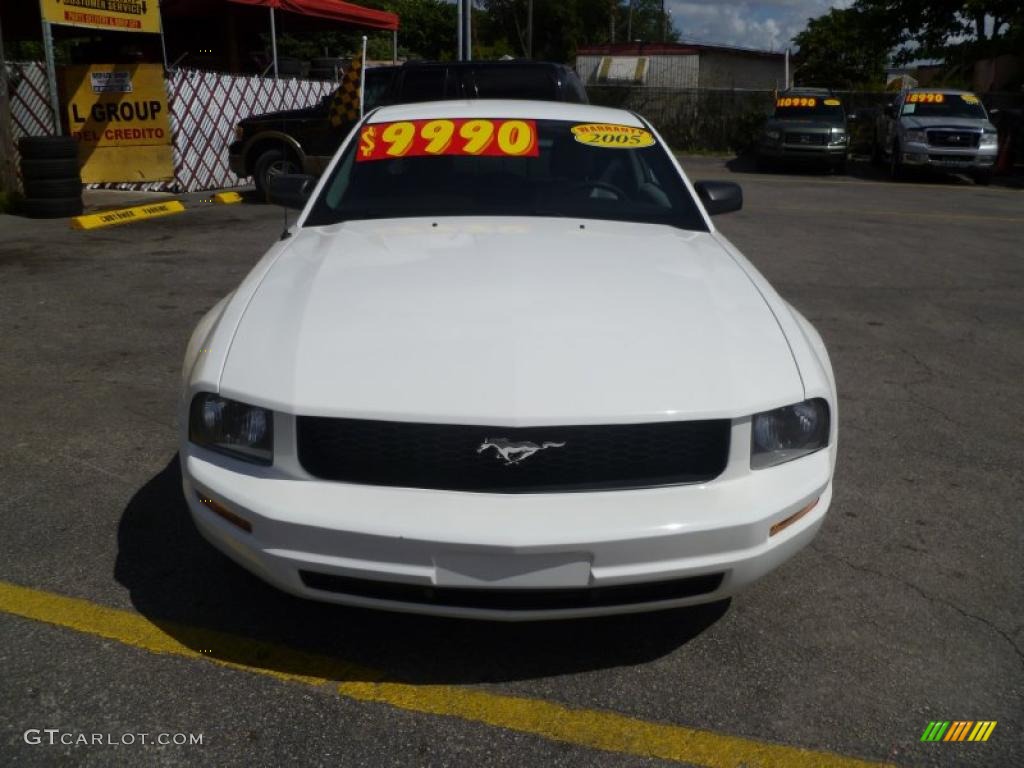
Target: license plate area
(500,571)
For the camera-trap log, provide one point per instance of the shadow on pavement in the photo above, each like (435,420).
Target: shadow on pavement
(861,168)
(187,588)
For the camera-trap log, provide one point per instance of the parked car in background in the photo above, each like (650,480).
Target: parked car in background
(809,125)
(937,128)
(303,140)
(296,140)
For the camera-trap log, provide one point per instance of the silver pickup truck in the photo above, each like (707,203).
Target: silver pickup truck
(938,128)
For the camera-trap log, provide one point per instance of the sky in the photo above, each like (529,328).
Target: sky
(767,24)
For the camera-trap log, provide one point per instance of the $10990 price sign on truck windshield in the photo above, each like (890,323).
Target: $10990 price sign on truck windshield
(425,138)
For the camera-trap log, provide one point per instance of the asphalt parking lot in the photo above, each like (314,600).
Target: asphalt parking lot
(116,618)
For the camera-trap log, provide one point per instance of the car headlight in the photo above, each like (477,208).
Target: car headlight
(233,428)
(788,433)
(917,137)
(239,132)
(838,136)
(989,139)
(773,135)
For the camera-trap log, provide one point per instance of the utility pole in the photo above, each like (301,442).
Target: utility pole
(529,29)
(466,25)
(458,36)
(629,23)
(614,9)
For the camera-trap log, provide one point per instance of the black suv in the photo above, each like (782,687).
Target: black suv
(303,140)
(809,125)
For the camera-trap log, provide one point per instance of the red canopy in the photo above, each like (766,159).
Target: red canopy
(350,13)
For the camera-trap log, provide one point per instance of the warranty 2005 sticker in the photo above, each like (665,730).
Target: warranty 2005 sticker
(612,136)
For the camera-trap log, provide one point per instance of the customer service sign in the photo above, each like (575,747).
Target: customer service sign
(116,15)
(119,114)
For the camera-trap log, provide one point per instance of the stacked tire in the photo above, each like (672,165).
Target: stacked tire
(50,177)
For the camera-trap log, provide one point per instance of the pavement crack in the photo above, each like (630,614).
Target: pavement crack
(1007,636)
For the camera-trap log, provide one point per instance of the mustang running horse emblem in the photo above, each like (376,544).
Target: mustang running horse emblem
(513,453)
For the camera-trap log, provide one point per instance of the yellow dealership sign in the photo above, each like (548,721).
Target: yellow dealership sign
(119,114)
(114,15)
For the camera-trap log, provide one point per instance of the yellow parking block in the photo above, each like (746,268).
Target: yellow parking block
(126,215)
(227,198)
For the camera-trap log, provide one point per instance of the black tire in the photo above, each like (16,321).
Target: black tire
(982,178)
(63,168)
(271,162)
(765,164)
(839,167)
(48,147)
(55,208)
(50,189)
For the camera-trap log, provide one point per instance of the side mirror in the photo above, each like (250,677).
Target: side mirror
(719,196)
(853,117)
(292,190)
(890,110)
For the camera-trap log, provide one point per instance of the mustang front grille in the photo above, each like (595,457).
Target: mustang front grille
(512,460)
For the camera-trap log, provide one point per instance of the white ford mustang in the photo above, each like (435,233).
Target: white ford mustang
(504,366)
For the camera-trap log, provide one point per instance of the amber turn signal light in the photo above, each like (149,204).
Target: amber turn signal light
(221,511)
(784,524)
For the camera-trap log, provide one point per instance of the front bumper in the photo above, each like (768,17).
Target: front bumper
(448,553)
(968,158)
(830,153)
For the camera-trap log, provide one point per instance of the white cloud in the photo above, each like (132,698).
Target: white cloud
(768,25)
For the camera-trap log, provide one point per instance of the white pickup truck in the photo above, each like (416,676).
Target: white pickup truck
(936,128)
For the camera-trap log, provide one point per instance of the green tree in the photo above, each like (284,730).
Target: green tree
(558,27)
(841,50)
(427,31)
(645,23)
(562,26)
(428,28)
(953,30)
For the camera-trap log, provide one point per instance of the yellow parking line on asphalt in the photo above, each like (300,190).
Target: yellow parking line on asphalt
(593,729)
(126,215)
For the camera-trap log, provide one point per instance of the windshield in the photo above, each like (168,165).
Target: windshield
(520,168)
(809,108)
(944,105)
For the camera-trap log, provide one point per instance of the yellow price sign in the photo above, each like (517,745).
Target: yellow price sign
(926,98)
(796,101)
(612,136)
(426,138)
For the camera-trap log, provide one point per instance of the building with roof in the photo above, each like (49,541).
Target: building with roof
(681,65)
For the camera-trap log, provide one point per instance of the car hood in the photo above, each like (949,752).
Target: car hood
(509,321)
(916,123)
